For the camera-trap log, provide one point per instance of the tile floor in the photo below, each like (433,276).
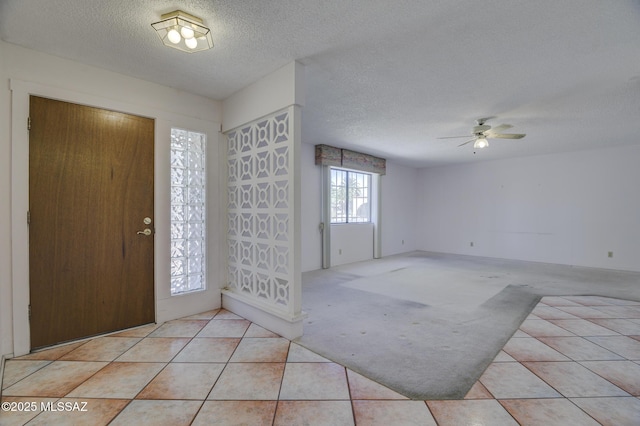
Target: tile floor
(574,361)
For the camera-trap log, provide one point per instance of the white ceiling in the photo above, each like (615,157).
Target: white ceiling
(384,77)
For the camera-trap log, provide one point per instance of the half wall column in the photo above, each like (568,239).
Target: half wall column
(263,275)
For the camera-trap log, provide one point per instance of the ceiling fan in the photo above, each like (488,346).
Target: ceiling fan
(482,132)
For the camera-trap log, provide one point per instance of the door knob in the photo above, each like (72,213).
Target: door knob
(146,232)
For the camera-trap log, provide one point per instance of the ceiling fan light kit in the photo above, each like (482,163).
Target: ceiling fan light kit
(480,143)
(482,132)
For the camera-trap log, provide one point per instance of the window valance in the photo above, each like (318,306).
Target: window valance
(331,156)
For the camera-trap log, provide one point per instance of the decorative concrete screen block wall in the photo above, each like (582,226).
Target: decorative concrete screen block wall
(261,237)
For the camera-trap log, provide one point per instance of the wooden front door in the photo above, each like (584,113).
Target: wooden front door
(90,190)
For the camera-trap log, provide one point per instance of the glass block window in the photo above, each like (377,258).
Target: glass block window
(188,227)
(350,196)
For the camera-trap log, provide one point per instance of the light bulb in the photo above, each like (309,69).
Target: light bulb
(174,36)
(191,43)
(481,142)
(187,32)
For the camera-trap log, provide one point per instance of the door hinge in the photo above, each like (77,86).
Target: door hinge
(28,123)
(29,312)
(28,217)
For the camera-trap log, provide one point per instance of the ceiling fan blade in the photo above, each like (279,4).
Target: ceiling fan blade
(469,141)
(498,129)
(454,137)
(507,135)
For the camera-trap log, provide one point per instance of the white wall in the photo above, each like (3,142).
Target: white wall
(570,208)
(45,75)
(311,176)
(400,217)
(6,311)
(351,242)
(272,92)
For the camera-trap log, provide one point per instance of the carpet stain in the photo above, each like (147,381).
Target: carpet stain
(410,304)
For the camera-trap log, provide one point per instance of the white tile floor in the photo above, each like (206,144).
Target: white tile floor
(574,360)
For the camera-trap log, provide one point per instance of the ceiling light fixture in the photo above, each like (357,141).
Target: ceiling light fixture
(481,142)
(183,32)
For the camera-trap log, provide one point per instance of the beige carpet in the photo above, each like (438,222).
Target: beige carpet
(445,287)
(426,324)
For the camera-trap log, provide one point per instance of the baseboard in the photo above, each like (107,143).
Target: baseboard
(184,305)
(287,327)
(1,373)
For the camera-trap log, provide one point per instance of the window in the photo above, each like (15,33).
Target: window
(188,226)
(350,196)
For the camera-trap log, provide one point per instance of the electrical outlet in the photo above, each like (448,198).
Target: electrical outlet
(471,244)
(610,254)
(402,242)
(339,251)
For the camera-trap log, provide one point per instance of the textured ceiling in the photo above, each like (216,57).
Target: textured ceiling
(384,77)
